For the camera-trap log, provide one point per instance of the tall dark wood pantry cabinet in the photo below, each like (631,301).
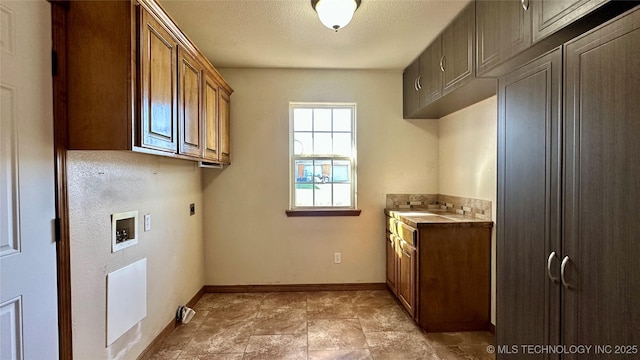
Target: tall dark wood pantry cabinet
(569,185)
(529,201)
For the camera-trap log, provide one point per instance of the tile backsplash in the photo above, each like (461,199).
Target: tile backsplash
(480,209)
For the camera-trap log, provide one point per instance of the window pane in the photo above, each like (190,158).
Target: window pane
(341,194)
(302,143)
(304,194)
(322,195)
(322,143)
(341,171)
(341,119)
(303,171)
(342,144)
(322,171)
(302,120)
(321,119)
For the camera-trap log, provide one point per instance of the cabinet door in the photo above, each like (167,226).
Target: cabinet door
(410,92)
(407,276)
(430,80)
(223,117)
(529,113)
(550,16)
(602,231)
(391,263)
(457,50)
(189,82)
(210,116)
(158,128)
(503,29)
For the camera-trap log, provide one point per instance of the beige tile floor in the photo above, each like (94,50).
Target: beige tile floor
(350,325)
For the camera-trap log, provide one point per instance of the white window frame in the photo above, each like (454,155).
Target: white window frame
(292,157)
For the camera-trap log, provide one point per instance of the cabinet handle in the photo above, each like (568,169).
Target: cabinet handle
(419,82)
(442,63)
(415,84)
(525,4)
(565,261)
(549,262)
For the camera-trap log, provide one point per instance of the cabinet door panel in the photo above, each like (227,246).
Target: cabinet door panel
(550,16)
(158,95)
(391,264)
(430,81)
(411,96)
(407,276)
(189,81)
(529,116)
(210,114)
(602,232)
(503,30)
(224,118)
(457,50)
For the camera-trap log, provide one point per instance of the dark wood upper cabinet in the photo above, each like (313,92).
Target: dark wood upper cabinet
(456,62)
(503,29)
(189,107)
(529,114)
(410,90)
(443,76)
(430,76)
(550,16)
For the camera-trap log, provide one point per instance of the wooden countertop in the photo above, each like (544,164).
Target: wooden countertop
(419,218)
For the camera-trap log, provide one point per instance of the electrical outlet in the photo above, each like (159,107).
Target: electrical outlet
(147,222)
(337,258)
(192,209)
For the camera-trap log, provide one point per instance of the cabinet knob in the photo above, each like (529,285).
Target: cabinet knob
(549,263)
(565,261)
(525,4)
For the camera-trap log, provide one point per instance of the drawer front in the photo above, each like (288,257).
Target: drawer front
(391,225)
(407,233)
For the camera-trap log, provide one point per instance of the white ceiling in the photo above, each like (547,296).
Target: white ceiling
(384,34)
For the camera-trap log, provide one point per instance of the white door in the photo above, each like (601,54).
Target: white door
(28,289)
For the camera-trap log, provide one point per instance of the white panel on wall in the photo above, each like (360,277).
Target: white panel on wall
(9,203)
(11,329)
(126,299)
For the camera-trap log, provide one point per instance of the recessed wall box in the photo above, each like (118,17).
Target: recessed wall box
(124,230)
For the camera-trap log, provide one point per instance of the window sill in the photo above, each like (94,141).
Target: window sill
(324,212)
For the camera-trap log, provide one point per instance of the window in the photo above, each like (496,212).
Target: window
(323,157)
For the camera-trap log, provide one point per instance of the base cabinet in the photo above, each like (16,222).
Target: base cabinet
(441,273)
(407,255)
(569,241)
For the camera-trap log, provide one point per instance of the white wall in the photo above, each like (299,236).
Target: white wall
(467,164)
(248,237)
(101,183)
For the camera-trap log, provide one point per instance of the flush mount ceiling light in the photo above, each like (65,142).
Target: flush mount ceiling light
(335,14)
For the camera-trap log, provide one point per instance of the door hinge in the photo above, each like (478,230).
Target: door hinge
(54,62)
(58,229)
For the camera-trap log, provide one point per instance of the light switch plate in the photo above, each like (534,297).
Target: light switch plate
(147,222)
